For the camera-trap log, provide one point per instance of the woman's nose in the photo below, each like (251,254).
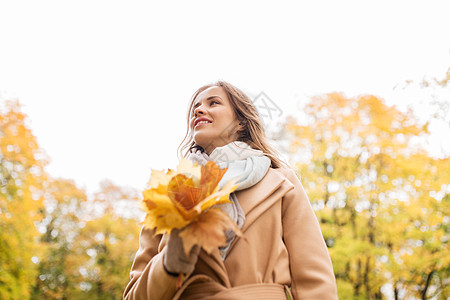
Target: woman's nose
(199,110)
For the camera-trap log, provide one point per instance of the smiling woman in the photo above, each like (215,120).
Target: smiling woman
(241,121)
(281,253)
(213,121)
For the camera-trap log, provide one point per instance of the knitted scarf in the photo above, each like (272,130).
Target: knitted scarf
(250,165)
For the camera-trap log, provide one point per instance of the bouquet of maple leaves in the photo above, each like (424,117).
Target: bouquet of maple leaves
(185,199)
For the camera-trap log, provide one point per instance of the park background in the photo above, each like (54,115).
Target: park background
(93,95)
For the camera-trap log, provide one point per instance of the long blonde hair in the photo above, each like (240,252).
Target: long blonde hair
(252,133)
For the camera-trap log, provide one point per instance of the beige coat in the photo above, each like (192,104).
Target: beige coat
(284,247)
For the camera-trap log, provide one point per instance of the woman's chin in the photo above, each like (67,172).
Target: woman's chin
(202,141)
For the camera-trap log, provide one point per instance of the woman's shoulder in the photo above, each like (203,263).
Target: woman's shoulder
(288,172)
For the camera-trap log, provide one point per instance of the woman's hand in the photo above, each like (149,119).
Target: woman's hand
(175,260)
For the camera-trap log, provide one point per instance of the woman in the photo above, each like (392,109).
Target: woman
(283,253)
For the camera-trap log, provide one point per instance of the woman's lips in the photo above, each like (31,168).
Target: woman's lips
(201,123)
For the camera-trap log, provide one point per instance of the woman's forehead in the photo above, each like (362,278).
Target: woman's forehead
(209,92)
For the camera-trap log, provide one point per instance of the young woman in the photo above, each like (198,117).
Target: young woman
(284,253)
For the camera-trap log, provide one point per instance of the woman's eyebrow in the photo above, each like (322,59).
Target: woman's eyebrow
(207,99)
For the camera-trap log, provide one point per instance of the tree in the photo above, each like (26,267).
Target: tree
(103,255)
(382,201)
(105,247)
(22,177)
(63,219)
(55,241)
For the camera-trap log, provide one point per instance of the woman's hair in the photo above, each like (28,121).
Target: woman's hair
(252,133)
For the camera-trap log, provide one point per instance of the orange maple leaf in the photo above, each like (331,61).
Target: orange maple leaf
(208,231)
(183,199)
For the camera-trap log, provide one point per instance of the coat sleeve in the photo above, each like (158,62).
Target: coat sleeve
(148,279)
(310,263)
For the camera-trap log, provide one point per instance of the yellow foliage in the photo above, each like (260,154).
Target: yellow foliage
(22,177)
(184,198)
(382,203)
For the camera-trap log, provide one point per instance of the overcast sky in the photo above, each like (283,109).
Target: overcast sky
(106,84)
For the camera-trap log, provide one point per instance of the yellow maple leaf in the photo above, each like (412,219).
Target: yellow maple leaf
(183,199)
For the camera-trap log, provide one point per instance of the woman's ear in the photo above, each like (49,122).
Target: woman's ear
(240,129)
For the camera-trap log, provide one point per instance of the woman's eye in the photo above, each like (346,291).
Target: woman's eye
(210,103)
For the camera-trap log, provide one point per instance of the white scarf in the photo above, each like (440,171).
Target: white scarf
(250,165)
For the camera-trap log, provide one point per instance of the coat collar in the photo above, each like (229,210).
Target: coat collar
(260,197)
(257,199)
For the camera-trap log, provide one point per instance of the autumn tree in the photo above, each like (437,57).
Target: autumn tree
(22,176)
(382,201)
(62,222)
(57,242)
(105,247)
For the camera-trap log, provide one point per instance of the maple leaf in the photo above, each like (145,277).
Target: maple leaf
(208,231)
(183,199)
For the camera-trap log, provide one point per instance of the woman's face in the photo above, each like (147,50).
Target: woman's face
(213,121)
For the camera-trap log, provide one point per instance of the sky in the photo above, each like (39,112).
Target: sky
(106,84)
